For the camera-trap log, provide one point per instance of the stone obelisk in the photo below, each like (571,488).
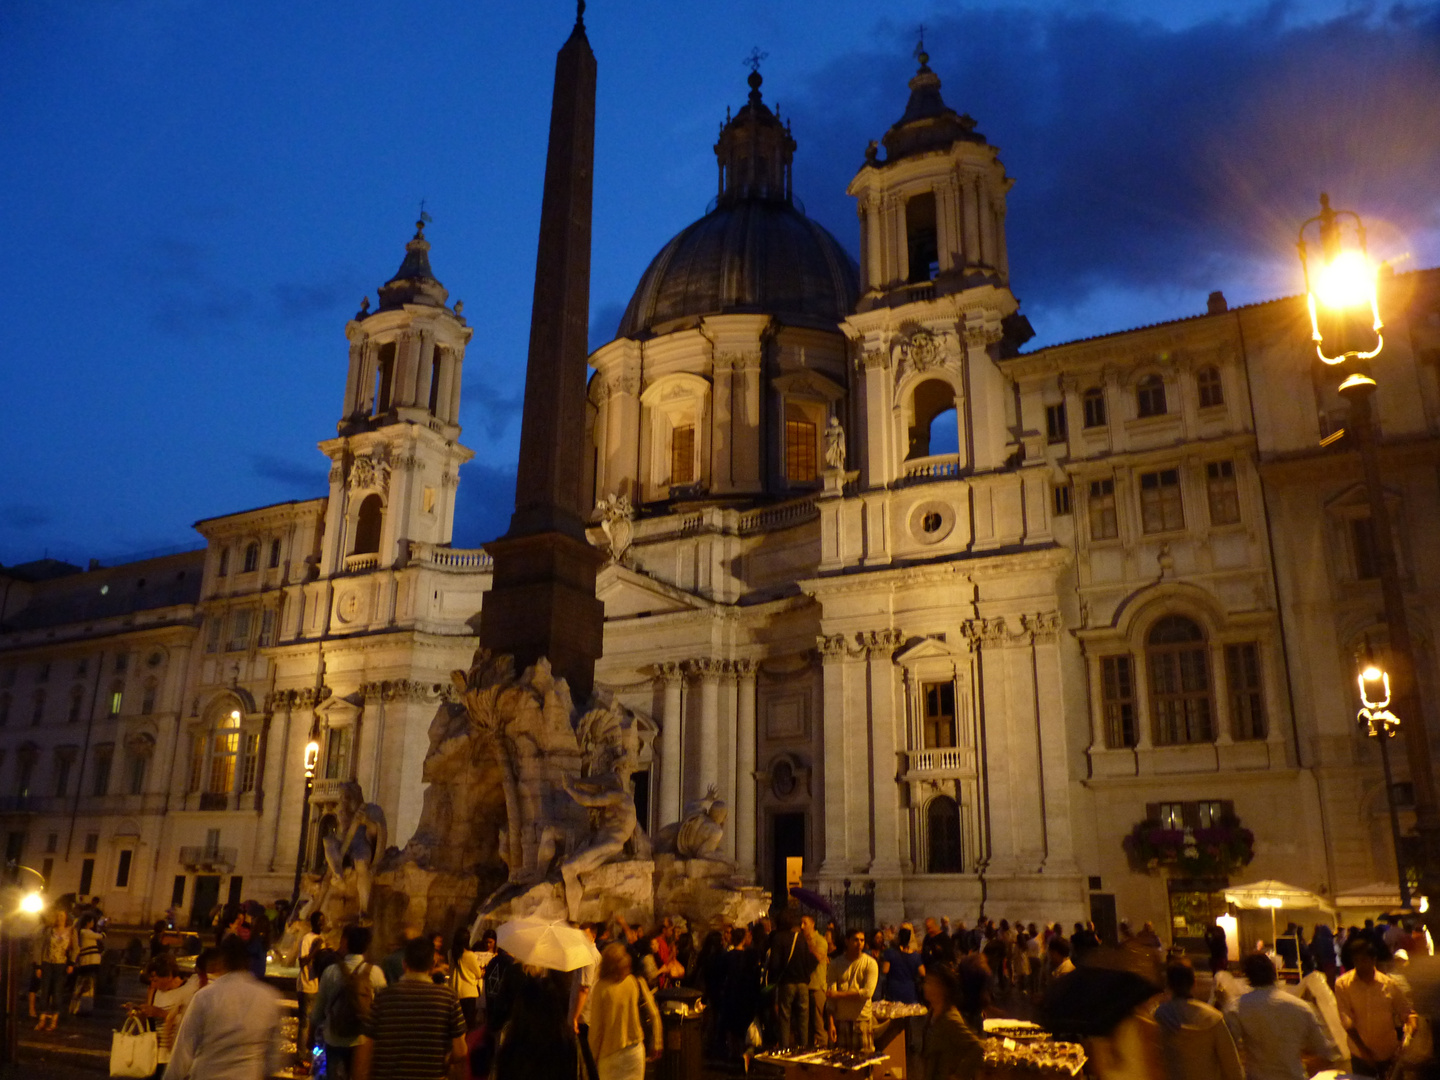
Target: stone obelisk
(542,602)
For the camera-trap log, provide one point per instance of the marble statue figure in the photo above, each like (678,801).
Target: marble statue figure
(609,794)
(357,843)
(835,444)
(699,833)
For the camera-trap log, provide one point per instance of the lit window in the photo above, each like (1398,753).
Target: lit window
(1247,700)
(1062,499)
(1172,815)
(1161,509)
(799,450)
(1056,427)
(1209,814)
(939,718)
(1223,492)
(1178,660)
(224,747)
(1093,401)
(1150,396)
(1212,392)
(252,557)
(1103,523)
(682,455)
(1117,693)
(942,836)
(117,698)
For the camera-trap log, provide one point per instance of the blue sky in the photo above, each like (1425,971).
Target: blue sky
(194,196)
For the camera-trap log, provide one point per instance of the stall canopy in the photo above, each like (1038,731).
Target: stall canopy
(1275,894)
(1379,895)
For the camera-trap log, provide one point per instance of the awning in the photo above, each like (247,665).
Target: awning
(1378,894)
(1263,895)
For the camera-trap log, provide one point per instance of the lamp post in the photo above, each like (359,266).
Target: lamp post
(30,903)
(1346,327)
(312,757)
(1380,723)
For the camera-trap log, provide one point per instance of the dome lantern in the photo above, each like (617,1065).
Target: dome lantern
(755,149)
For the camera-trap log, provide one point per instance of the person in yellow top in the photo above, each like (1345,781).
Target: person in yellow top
(617,1033)
(1374,1011)
(951,1050)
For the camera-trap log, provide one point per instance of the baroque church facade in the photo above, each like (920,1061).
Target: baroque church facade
(938,617)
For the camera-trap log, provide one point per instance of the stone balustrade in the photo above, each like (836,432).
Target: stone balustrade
(935,467)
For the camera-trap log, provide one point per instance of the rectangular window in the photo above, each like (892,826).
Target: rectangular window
(682,455)
(122,661)
(87,876)
(46,869)
(43,673)
(939,716)
(1062,499)
(100,770)
(212,840)
(122,869)
(52,843)
(62,777)
(37,713)
(1103,523)
(1364,548)
(147,701)
(1093,401)
(799,452)
(275,553)
(77,702)
(1247,700)
(135,774)
(92,843)
(1160,507)
(82,666)
(1056,428)
(1117,692)
(267,627)
(1223,492)
(250,763)
(177,891)
(1180,701)
(337,753)
(117,698)
(212,634)
(1172,815)
(1209,814)
(238,639)
(197,760)
(222,761)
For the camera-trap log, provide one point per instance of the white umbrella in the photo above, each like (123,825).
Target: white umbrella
(547,943)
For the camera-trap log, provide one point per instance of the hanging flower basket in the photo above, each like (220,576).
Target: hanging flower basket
(1217,851)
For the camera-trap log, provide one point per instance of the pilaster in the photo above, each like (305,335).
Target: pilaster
(672,677)
(745,778)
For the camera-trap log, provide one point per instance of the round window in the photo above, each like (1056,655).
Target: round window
(931,522)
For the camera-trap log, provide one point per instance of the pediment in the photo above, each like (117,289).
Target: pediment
(929,649)
(627,593)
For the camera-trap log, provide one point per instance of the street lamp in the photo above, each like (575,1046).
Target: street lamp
(1345,323)
(1381,724)
(312,758)
(30,904)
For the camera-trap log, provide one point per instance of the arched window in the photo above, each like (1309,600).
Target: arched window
(942,836)
(274,553)
(929,400)
(384,378)
(224,748)
(367,526)
(800,445)
(252,557)
(1093,401)
(1150,396)
(1182,702)
(1207,382)
(224,567)
(437,367)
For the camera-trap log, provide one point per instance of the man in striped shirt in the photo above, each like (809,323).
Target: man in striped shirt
(415,1030)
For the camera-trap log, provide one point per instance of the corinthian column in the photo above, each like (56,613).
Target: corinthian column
(744,818)
(668,808)
(834,712)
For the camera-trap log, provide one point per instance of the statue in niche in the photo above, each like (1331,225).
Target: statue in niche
(835,445)
(608,795)
(699,833)
(354,847)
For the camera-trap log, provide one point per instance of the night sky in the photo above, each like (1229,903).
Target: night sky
(194,196)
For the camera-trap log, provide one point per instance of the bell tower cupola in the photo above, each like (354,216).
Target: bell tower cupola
(396,459)
(932,208)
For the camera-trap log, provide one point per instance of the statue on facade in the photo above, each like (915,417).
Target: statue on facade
(699,833)
(354,847)
(617,518)
(609,795)
(835,445)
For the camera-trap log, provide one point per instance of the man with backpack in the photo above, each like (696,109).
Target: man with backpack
(791,964)
(342,1002)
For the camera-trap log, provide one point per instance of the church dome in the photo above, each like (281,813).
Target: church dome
(746,255)
(756,252)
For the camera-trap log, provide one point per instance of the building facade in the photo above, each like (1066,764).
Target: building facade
(936,615)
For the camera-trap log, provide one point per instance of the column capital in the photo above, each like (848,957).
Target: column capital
(744,669)
(880,642)
(706,668)
(669,671)
(834,646)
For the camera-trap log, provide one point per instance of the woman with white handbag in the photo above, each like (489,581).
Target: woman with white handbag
(168,996)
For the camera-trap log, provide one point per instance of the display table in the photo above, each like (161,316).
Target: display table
(885,1062)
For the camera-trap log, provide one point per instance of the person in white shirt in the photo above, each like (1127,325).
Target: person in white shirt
(1277,1029)
(305,981)
(850,984)
(231,1028)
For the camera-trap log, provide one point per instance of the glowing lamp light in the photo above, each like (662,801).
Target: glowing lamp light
(1270,902)
(312,757)
(32,903)
(1377,682)
(1347,281)
(1343,286)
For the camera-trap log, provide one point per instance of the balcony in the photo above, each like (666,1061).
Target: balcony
(926,470)
(949,761)
(203,859)
(356,564)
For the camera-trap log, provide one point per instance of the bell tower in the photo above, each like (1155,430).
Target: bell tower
(396,459)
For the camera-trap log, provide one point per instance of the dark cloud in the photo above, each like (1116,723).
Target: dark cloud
(298,301)
(24,516)
(187,296)
(604,321)
(498,408)
(304,481)
(1152,158)
(484,503)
